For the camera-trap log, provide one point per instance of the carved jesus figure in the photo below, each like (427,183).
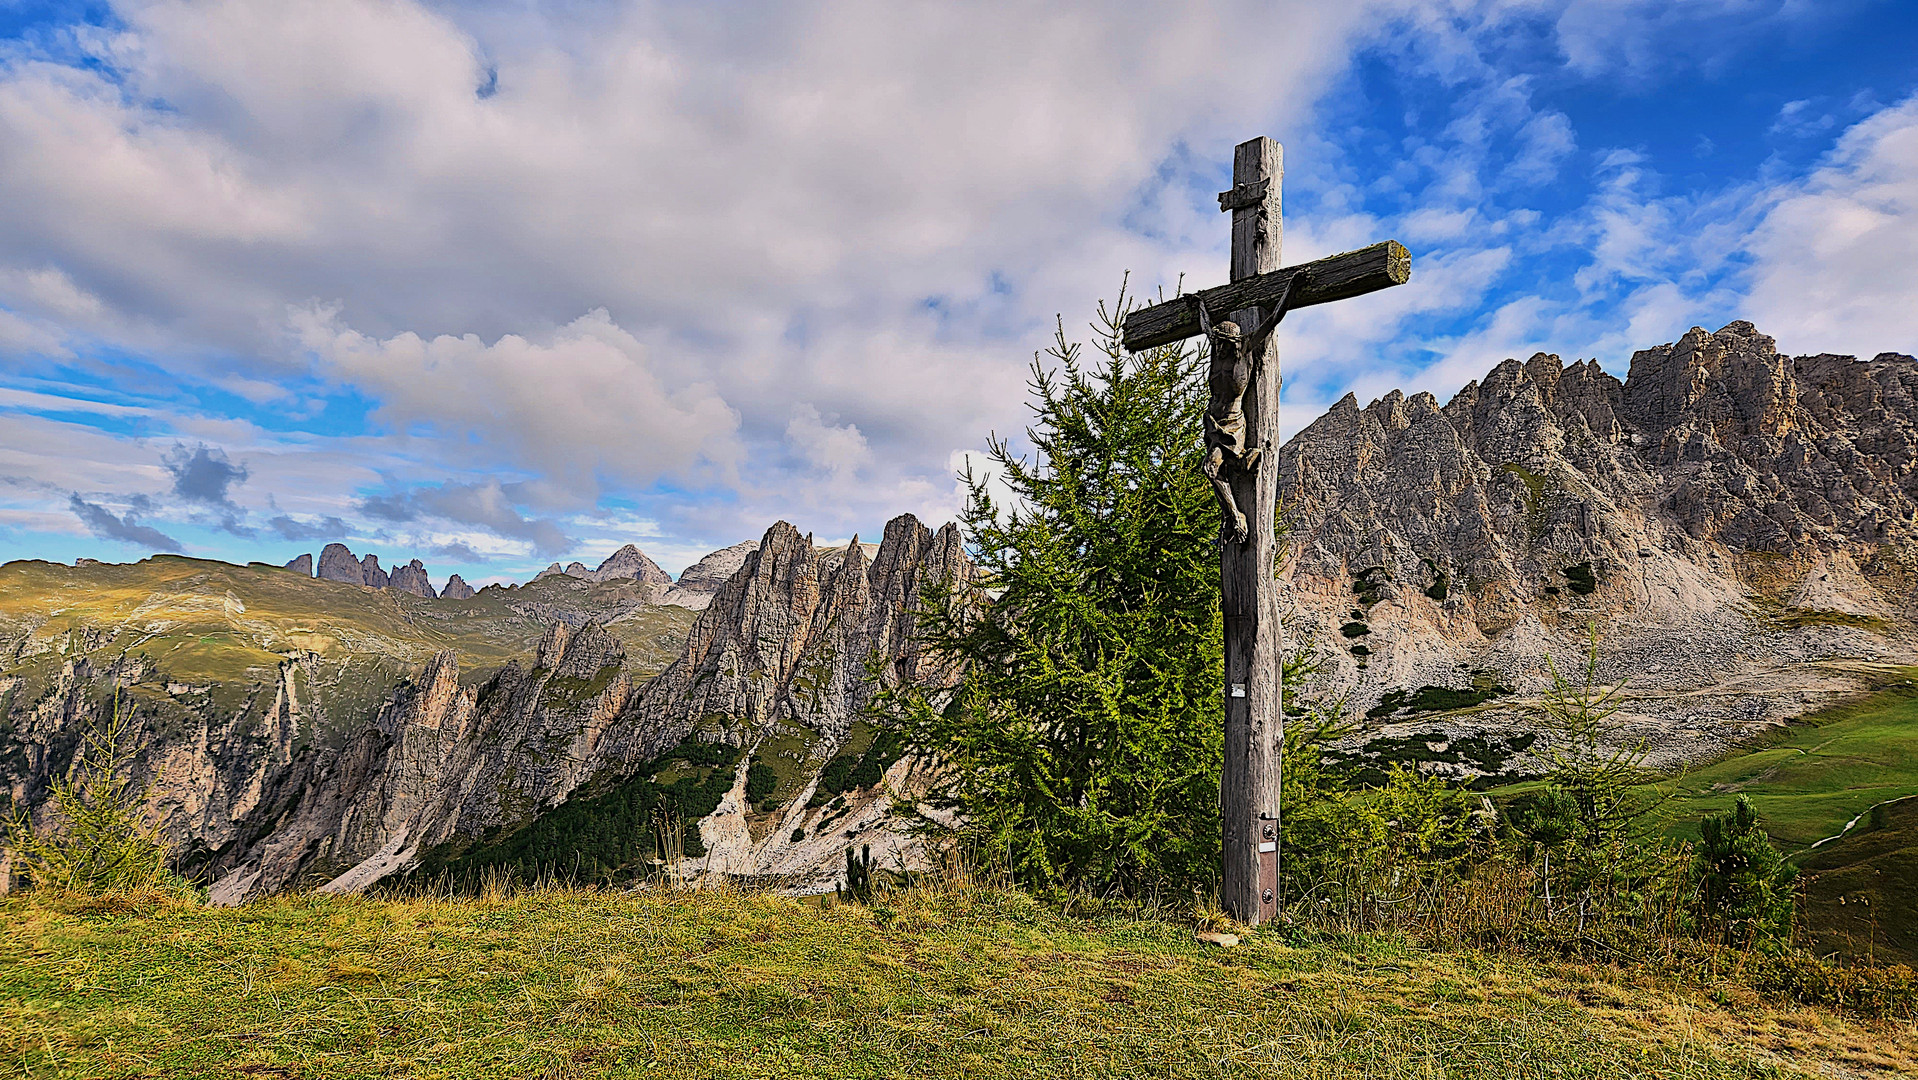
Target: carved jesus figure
(1234,357)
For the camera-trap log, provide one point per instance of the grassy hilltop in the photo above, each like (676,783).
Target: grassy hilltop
(962,982)
(217,638)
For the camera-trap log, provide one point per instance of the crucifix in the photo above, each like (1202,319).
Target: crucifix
(1241,422)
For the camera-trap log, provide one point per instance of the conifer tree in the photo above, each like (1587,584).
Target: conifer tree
(1744,887)
(1080,740)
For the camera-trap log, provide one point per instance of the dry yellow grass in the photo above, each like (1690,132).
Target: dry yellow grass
(963,982)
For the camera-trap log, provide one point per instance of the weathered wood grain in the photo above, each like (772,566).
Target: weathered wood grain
(1249,599)
(1338,277)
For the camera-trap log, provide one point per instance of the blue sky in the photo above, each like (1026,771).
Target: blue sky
(495,285)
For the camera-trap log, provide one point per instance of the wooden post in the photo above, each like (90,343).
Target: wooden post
(1249,795)
(1254,721)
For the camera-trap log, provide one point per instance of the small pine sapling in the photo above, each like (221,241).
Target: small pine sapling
(1744,887)
(99,844)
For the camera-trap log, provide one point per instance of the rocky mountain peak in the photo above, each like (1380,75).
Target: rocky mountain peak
(411,578)
(630,562)
(339,564)
(699,582)
(1548,496)
(1727,387)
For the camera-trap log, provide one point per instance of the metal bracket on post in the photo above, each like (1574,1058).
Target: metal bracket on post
(1268,866)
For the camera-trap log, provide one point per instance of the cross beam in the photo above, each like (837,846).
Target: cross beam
(1338,277)
(1241,427)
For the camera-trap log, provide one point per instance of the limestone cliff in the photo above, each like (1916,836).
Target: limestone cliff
(699,582)
(276,776)
(1725,517)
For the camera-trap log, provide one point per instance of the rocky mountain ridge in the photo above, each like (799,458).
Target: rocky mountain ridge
(1737,525)
(778,665)
(694,590)
(338,563)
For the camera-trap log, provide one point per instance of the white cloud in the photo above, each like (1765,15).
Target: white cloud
(1833,270)
(584,403)
(764,202)
(11,398)
(838,449)
(1633,38)
(872,209)
(27,337)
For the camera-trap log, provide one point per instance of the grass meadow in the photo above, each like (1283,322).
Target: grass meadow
(960,981)
(1810,779)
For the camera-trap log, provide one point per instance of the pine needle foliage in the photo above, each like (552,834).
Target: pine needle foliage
(1744,886)
(1600,769)
(98,844)
(1081,742)
(1592,759)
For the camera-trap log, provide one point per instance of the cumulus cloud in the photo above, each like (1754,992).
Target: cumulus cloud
(489,505)
(838,449)
(1634,37)
(582,403)
(459,551)
(20,336)
(402,209)
(742,205)
(290,528)
(104,524)
(204,475)
(202,479)
(1832,268)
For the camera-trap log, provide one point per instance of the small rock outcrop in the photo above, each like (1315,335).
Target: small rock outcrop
(371,574)
(699,582)
(411,578)
(339,564)
(302,566)
(456,589)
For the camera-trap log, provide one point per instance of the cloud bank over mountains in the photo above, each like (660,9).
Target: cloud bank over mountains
(506,286)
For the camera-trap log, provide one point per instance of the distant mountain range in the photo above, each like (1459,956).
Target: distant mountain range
(694,589)
(1737,525)
(331,730)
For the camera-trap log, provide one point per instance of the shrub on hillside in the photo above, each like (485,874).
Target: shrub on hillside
(97,843)
(1744,886)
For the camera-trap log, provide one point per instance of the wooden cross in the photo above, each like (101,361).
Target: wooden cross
(1242,462)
